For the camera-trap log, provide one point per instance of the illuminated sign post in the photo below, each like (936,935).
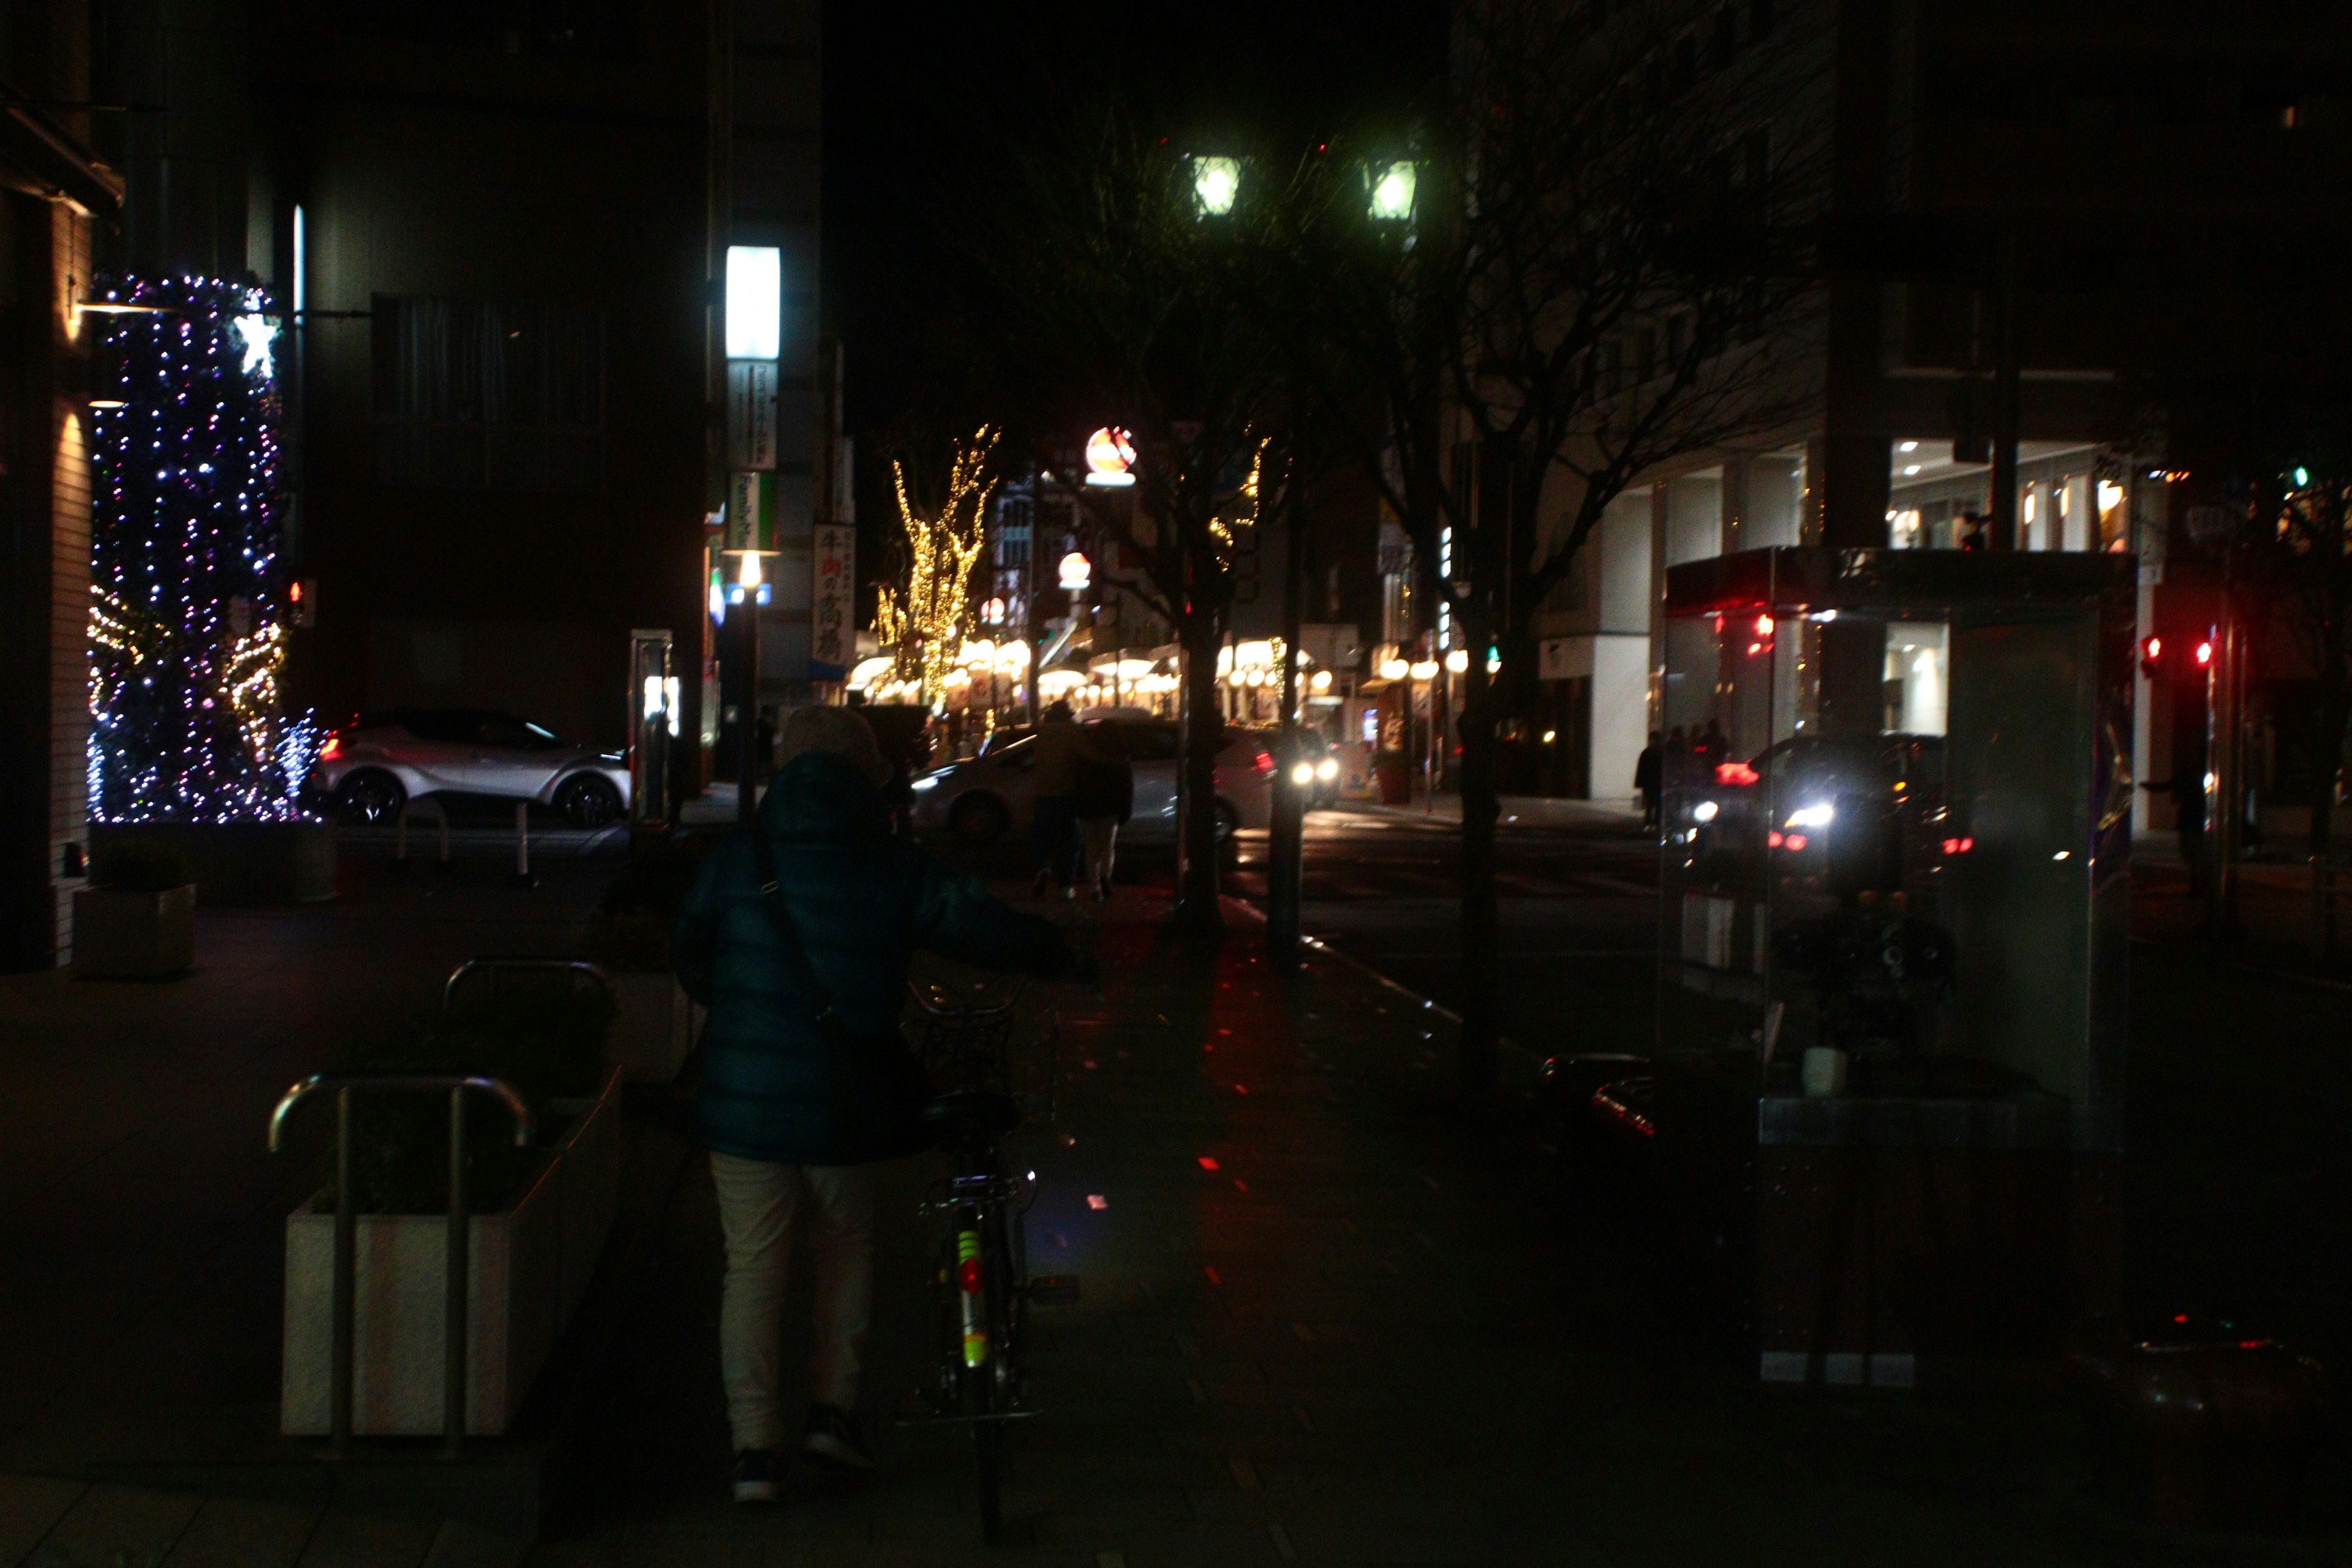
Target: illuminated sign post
(1110,458)
(755,342)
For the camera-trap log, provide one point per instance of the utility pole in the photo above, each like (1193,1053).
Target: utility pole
(1287,843)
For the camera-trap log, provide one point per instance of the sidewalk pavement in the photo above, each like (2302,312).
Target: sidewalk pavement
(142,1220)
(1319,1326)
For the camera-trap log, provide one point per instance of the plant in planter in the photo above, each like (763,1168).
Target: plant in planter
(628,937)
(542,1213)
(137,920)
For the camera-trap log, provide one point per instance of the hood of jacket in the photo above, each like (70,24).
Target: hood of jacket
(819,798)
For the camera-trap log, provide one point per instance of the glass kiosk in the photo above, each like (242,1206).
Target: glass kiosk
(1894,918)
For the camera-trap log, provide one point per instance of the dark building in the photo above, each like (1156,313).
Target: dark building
(2154,189)
(60,206)
(501,230)
(494,237)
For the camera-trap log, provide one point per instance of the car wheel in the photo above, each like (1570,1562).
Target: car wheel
(979,819)
(588,801)
(371,797)
(1229,821)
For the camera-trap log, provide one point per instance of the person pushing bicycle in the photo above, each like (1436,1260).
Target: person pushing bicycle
(797,936)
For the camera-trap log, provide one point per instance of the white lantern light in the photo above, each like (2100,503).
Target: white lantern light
(1215,183)
(755,301)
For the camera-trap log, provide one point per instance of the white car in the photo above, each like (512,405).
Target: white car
(992,796)
(380,762)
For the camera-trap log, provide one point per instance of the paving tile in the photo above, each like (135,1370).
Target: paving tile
(30,1506)
(137,1524)
(353,1538)
(245,1533)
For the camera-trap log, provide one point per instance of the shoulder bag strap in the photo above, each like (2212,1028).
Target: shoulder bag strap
(780,916)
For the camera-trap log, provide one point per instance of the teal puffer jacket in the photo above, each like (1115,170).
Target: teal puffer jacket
(862,902)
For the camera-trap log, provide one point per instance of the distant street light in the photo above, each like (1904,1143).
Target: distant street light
(1391,192)
(1077,572)
(1215,183)
(1395,670)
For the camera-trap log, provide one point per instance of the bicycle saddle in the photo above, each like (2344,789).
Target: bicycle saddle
(964,1121)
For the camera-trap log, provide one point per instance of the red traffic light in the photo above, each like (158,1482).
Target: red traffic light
(2152,654)
(2204,653)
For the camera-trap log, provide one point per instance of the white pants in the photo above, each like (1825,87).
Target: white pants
(1099,836)
(757,1202)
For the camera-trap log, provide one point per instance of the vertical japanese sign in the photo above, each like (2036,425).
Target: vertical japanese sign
(751,414)
(751,511)
(833,602)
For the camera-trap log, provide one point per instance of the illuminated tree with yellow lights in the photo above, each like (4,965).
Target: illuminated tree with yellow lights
(922,624)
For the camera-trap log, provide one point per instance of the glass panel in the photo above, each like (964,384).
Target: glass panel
(1911,888)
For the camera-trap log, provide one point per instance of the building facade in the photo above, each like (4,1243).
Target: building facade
(2102,201)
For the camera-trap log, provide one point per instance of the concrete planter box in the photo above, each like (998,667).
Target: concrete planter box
(531,1265)
(121,935)
(243,862)
(656,1028)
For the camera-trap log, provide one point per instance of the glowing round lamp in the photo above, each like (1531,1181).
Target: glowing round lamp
(1110,458)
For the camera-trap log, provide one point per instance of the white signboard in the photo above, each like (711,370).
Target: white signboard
(751,414)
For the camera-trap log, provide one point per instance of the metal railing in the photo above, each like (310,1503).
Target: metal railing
(492,968)
(340,1331)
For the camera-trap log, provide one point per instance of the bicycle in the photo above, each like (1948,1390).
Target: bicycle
(982,1271)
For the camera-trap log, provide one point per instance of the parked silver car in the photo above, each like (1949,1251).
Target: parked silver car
(372,767)
(989,796)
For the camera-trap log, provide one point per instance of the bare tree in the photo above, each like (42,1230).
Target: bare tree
(1130,300)
(1581,295)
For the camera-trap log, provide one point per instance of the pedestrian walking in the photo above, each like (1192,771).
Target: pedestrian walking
(1104,799)
(796,935)
(1648,772)
(1054,822)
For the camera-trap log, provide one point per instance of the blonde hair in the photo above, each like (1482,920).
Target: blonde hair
(837,731)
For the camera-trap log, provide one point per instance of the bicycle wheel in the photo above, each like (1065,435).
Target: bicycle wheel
(980,1349)
(984,1409)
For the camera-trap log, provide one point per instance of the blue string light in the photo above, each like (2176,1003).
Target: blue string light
(187,628)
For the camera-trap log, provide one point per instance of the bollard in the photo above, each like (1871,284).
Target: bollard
(400,834)
(522,876)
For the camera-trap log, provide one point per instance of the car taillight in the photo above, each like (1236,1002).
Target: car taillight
(331,749)
(1263,763)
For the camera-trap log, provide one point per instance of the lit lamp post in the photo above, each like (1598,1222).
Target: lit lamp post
(753,330)
(750,589)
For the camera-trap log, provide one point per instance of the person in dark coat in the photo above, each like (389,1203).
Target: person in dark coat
(1103,800)
(794,1123)
(1054,783)
(1648,771)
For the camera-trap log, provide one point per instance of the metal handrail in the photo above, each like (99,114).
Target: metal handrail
(492,965)
(340,1333)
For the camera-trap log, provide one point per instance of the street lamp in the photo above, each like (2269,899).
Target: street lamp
(1216,182)
(1390,189)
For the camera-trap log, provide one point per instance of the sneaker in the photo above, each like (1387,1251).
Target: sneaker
(756,1472)
(834,1442)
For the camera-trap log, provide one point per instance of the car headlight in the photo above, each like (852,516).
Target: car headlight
(929,780)
(1303,773)
(1327,769)
(1817,816)
(1705,811)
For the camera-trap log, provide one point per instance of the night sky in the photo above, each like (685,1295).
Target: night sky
(922,101)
